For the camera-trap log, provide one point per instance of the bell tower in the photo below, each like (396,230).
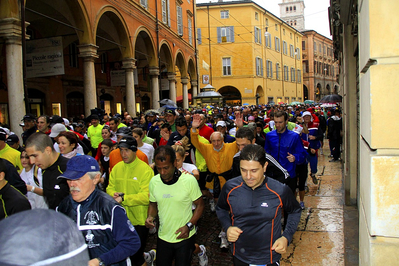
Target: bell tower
(293,13)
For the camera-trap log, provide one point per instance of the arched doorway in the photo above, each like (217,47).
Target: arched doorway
(318,92)
(335,89)
(328,89)
(36,102)
(145,101)
(305,93)
(166,72)
(259,95)
(75,104)
(106,103)
(146,60)
(231,96)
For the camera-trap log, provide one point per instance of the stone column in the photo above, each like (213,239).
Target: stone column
(194,91)
(129,66)
(184,81)
(10,31)
(172,86)
(154,73)
(89,54)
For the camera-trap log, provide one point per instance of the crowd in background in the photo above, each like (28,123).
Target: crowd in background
(111,139)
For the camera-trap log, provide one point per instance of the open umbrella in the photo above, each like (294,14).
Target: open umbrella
(308,102)
(328,105)
(332,98)
(167,102)
(295,103)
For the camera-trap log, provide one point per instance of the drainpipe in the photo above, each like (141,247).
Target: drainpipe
(158,54)
(210,51)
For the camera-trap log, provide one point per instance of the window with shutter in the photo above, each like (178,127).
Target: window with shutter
(284,47)
(299,76)
(199,37)
(179,20)
(224,14)
(168,9)
(225,34)
(277,71)
(190,35)
(277,44)
(164,12)
(226,66)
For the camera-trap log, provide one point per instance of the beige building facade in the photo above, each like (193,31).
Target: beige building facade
(249,55)
(365,36)
(320,69)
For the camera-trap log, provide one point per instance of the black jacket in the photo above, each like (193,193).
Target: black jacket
(257,212)
(13,177)
(12,201)
(95,218)
(55,189)
(334,128)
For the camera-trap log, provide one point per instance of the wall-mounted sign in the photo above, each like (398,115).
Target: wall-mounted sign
(44,57)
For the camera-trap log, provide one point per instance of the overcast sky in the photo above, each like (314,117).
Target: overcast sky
(316,13)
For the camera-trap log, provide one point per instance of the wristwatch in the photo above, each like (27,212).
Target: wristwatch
(190,226)
(101,263)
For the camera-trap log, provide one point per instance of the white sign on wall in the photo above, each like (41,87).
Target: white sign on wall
(44,57)
(118,78)
(164,84)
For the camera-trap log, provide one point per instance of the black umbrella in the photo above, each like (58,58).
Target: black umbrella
(332,98)
(41,237)
(167,102)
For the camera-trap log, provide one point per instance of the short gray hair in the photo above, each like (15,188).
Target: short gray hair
(216,133)
(92,175)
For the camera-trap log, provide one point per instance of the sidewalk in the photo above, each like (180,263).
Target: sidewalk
(319,239)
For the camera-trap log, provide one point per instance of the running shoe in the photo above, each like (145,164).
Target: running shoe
(302,204)
(212,204)
(314,179)
(203,258)
(150,257)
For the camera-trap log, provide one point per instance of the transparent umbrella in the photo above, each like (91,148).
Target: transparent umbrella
(332,98)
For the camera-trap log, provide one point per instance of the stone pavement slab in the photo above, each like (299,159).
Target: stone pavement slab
(315,248)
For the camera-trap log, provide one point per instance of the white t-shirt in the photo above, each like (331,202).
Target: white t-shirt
(36,201)
(148,150)
(188,167)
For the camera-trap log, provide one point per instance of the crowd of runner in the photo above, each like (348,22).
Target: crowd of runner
(120,177)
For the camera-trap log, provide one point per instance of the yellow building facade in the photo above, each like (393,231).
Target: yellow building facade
(249,55)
